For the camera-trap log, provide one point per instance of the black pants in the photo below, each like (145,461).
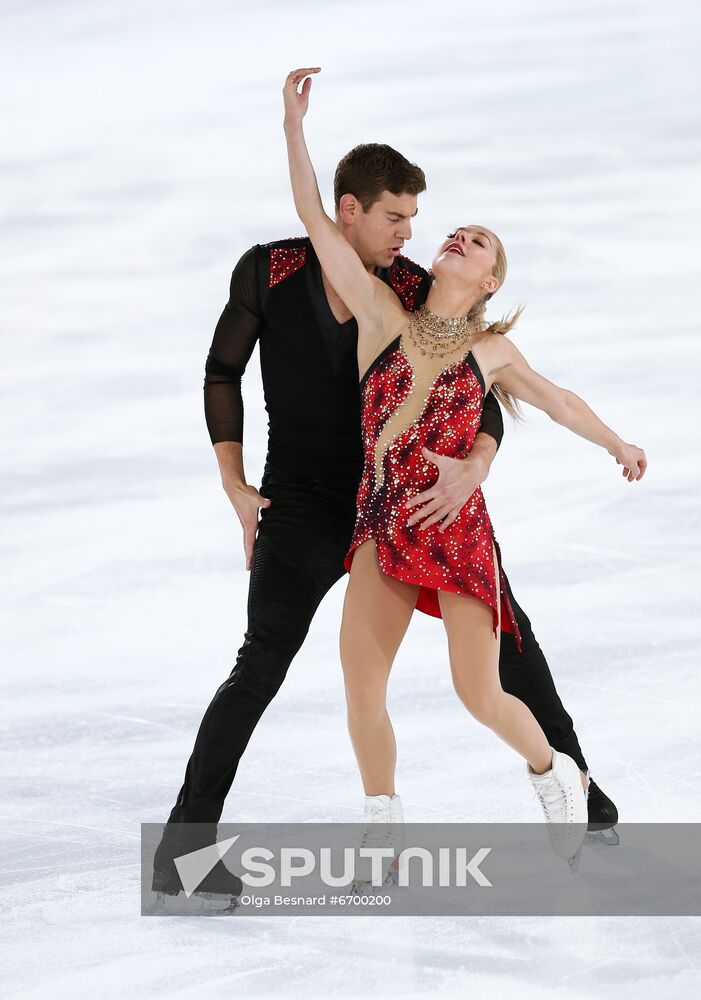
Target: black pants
(298,556)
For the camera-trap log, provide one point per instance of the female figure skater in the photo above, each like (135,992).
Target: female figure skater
(424,376)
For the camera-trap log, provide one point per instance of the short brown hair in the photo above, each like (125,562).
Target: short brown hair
(371,168)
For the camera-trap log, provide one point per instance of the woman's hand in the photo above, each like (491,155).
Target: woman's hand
(296,103)
(633,461)
(339,260)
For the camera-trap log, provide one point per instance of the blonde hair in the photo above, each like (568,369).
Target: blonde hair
(509,402)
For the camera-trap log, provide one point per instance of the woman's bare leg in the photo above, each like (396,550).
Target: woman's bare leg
(376,613)
(474,664)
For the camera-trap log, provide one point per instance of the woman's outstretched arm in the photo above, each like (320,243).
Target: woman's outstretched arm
(511,371)
(345,270)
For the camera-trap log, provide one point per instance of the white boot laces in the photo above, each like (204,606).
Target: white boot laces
(550,793)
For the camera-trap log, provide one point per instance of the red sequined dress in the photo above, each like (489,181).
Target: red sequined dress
(410,400)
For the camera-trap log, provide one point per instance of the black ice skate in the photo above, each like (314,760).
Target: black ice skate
(219,888)
(603,816)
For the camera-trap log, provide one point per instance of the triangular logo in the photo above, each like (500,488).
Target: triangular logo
(196,865)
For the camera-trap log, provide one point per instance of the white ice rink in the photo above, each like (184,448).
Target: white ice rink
(142,153)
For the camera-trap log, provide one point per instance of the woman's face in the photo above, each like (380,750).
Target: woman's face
(469,254)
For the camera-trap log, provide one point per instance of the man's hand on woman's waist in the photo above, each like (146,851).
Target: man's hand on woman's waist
(458,478)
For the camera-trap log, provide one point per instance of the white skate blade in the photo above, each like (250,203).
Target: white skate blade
(360,888)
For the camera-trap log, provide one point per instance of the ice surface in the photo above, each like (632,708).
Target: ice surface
(142,153)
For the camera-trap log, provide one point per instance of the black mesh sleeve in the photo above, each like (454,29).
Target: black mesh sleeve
(234,338)
(492,422)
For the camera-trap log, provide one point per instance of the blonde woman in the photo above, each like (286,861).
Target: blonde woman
(423,378)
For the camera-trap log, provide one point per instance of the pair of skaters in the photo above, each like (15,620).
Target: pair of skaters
(381,478)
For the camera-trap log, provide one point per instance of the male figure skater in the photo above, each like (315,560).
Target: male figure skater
(280,298)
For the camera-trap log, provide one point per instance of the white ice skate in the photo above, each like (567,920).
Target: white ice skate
(385,819)
(564,803)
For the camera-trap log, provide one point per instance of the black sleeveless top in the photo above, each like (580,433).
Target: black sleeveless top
(308,361)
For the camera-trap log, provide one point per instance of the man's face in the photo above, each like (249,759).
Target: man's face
(379,234)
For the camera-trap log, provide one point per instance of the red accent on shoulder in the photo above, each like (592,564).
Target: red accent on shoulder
(401,260)
(284,261)
(406,284)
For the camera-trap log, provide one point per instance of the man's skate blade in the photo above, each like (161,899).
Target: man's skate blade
(218,901)
(198,904)
(607,836)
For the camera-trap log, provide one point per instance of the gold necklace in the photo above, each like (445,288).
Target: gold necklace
(439,336)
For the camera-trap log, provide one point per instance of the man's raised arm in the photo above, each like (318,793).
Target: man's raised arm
(234,338)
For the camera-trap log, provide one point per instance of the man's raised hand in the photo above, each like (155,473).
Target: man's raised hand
(457,480)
